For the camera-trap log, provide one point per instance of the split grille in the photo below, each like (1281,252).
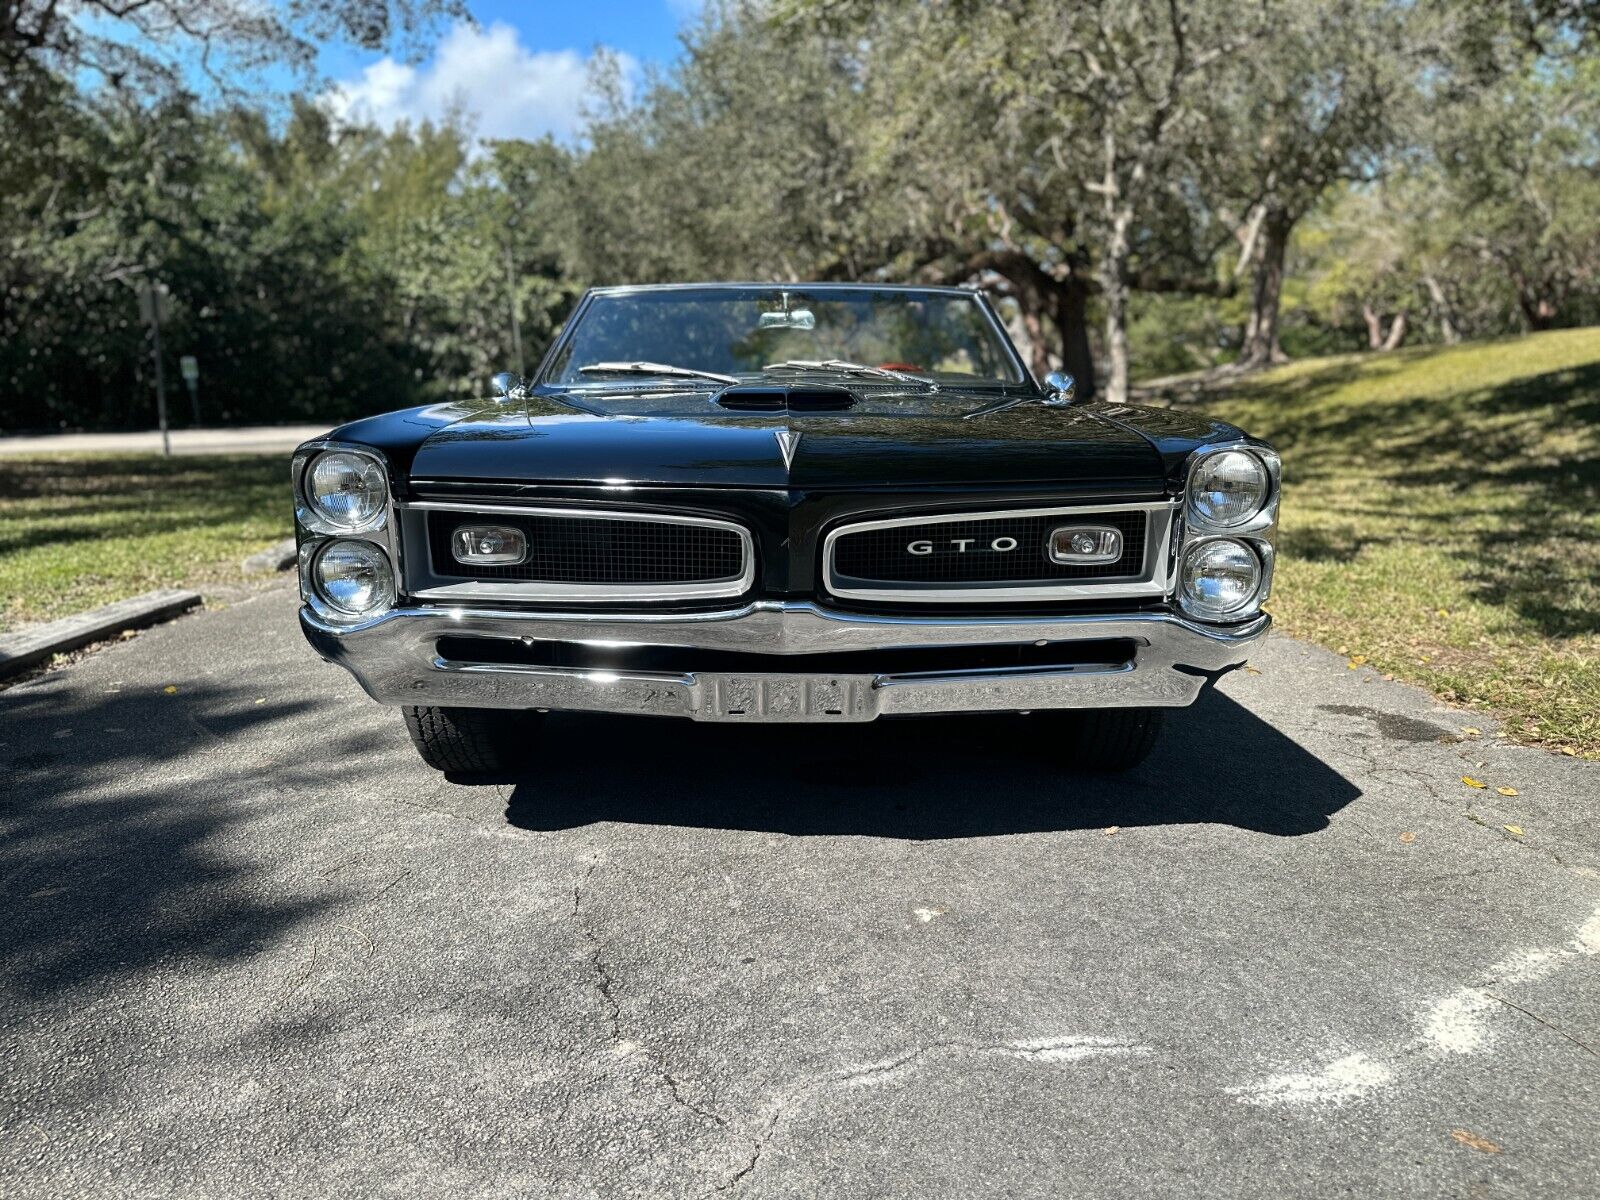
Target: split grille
(596,550)
(980,551)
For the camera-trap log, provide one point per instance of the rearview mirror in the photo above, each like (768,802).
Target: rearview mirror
(1060,387)
(507,385)
(798,318)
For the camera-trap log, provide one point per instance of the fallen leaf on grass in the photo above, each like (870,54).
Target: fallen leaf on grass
(1513,830)
(1475,1142)
(1408,837)
(1507,791)
(1356,660)
(1473,783)
(1569,752)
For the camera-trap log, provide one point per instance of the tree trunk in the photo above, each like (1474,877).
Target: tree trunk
(1114,295)
(1397,332)
(1261,333)
(1442,311)
(1374,326)
(1072,323)
(1537,309)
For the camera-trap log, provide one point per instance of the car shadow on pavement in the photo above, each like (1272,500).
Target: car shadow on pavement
(122,817)
(946,777)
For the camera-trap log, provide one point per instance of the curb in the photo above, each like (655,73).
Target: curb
(30,647)
(279,556)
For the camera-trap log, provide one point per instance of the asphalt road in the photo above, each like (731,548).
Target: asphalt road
(251,947)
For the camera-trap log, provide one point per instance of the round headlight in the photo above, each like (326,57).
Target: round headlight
(354,577)
(1220,578)
(1228,488)
(347,490)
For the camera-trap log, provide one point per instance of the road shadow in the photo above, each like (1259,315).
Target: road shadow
(118,813)
(947,777)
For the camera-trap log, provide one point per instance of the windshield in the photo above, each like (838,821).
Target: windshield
(864,334)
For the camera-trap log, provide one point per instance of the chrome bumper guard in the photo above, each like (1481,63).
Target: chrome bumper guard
(394,657)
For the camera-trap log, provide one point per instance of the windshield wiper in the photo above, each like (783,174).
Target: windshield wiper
(654,368)
(849,368)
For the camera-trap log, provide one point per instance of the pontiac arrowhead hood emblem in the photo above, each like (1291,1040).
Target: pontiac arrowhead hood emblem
(788,442)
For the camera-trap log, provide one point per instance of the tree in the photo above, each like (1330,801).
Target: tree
(1316,103)
(153,45)
(1518,156)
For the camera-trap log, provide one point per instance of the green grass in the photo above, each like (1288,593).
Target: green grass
(1441,518)
(84,530)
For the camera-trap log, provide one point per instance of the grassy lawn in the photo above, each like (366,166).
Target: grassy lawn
(84,530)
(1441,519)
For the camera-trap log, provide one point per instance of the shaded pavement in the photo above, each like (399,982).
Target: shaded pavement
(253,947)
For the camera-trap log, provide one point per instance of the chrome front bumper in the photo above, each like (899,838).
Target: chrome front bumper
(395,658)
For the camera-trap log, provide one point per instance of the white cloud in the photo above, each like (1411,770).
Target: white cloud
(505,89)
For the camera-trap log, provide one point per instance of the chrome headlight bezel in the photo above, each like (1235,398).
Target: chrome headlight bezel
(315,534)
(1259,552)
(313,517)
(1255,532)
(1262,518)
(316,592)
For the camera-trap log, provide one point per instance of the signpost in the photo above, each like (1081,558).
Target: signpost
(153,307)
(189,368)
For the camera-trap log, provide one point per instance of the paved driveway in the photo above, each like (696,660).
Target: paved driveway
(252,947)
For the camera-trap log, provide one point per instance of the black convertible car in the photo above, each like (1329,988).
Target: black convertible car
(806,503)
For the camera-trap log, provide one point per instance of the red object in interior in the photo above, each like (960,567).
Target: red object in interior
(898,367)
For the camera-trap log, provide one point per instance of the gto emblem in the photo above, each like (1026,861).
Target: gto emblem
(1000,545)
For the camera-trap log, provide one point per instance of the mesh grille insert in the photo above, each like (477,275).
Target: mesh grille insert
(880,555)
(595,550)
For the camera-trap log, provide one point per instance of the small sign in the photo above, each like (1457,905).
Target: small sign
(153,302)
(189,368)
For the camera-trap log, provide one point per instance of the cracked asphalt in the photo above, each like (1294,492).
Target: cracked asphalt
(252,947)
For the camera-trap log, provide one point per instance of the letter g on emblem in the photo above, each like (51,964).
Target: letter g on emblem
(920,548)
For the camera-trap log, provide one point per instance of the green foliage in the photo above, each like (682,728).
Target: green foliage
(315,272)
(1136,183)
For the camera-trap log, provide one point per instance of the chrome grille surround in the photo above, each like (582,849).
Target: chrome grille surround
(423,583)
(1154,579)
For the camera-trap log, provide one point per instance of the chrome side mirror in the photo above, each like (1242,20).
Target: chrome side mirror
(508,386)
(1060,388)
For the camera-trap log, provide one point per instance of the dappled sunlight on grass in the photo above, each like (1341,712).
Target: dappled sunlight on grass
(80,531)
(1442,517)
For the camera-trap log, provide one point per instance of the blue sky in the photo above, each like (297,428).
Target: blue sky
(519,72)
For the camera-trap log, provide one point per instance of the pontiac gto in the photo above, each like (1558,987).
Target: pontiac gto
(802,503)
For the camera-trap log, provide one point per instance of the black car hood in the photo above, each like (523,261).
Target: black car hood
(896,439)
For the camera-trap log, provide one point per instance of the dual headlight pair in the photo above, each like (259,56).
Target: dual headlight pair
(342,493)
(1224,573)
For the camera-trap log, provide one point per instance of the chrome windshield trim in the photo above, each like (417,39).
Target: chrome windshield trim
(713,589)
(1154,580)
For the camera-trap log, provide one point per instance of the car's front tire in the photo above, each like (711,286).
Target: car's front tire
(471,741)
(1110,739)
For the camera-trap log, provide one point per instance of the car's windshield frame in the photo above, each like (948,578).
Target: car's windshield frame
(545,377)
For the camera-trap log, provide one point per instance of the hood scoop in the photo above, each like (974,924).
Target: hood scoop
(757,398)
